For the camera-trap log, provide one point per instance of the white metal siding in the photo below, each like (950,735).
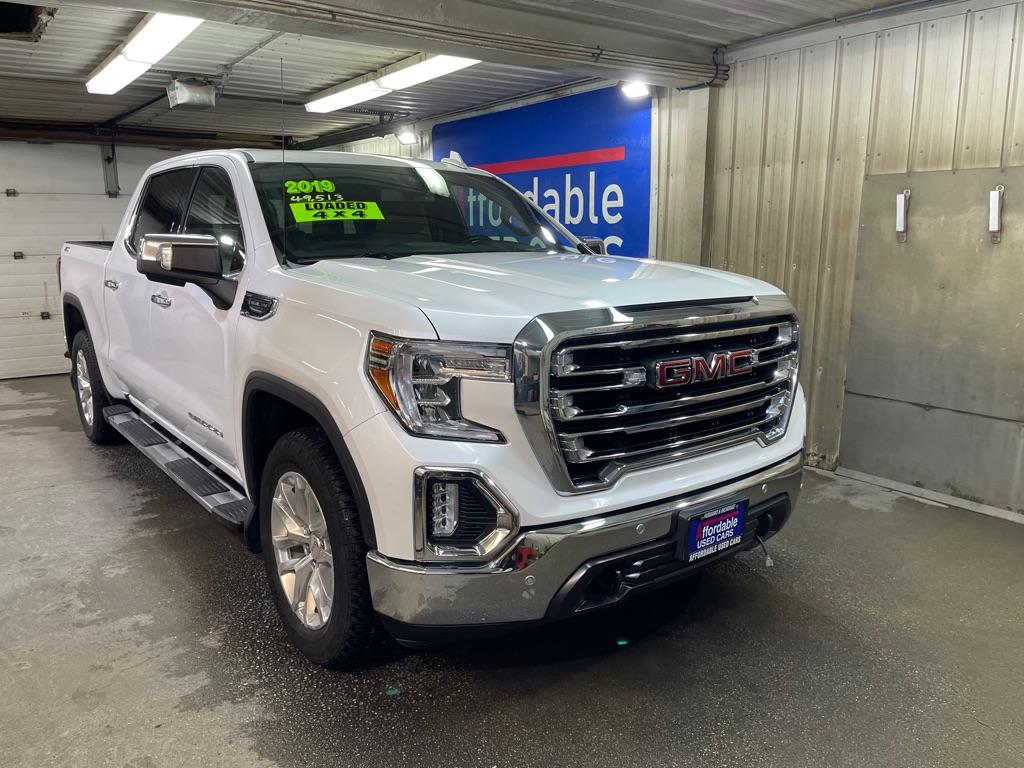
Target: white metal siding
(390,145)
(60,196)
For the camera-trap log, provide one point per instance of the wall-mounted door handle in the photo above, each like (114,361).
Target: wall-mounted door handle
(160,300)
(112,284)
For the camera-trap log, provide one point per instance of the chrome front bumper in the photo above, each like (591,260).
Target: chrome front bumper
(448,596)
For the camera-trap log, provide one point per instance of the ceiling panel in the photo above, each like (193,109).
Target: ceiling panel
(45,81)
(708,22)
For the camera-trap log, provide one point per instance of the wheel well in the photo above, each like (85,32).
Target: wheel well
(73,321)
(271,408)
(274,418)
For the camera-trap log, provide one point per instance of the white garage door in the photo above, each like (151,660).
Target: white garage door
(50,193)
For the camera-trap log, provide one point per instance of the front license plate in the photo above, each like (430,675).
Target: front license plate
(715,530)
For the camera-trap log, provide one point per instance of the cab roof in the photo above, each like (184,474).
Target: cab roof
(327,157)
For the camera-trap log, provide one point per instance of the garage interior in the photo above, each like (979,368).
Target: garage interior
(788,141)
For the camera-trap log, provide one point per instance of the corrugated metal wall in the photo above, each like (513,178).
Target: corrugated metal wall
(803,119)
(680,152)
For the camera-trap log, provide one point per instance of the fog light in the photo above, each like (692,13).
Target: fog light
(460,515)
(444,508)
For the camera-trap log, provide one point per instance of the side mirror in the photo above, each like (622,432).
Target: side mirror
(180,259)
(593,244)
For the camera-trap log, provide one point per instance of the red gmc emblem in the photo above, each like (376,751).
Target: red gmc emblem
(697,368)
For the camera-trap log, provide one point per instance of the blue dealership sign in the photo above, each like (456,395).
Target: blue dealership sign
(584,159)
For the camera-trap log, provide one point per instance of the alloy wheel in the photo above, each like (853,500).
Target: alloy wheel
(84,387)
(302,549)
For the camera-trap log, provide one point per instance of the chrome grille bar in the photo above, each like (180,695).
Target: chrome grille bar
(679,338)
(688,418)
(630,410)
(675,444)
(626,384)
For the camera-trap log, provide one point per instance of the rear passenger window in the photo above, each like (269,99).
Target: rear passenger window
(214,211)
(163,204)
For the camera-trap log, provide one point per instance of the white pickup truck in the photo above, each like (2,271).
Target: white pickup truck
(433,409)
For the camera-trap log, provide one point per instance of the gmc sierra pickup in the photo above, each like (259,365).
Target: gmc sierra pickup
(431,407)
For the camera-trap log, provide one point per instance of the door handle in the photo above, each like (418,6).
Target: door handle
(160,300)
(112,284)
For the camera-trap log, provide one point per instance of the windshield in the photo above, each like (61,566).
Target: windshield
(334,210)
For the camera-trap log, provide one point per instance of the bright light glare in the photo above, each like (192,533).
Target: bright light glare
(347,97)
(414,74)
(435,181)
(428,69)
(151,40)
(407,136)
(158,36)
(117,73)
(635,89)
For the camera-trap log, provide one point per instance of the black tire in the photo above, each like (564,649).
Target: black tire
(352,634)
(94,426)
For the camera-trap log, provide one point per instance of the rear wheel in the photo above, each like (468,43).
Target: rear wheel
(314,552)
(90,395)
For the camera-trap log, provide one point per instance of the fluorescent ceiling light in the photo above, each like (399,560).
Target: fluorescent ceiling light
(115,74)
(635,89)
(346,97)
(407,136)
(156,36)
(405,74)
(428,69)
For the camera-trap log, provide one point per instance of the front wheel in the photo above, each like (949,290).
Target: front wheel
(314,552)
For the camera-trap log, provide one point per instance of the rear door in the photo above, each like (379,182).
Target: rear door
(127,294)
(192,360)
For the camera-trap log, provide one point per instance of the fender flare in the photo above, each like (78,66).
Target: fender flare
(74,301)
(259,382)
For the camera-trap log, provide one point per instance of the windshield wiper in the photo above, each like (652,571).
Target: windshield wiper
(305,260)
(378,255)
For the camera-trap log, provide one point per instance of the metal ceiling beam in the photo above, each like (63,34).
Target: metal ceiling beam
(16,130)
(383,128)
(502,35)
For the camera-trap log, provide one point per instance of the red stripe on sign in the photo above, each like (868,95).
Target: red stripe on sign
(590,156)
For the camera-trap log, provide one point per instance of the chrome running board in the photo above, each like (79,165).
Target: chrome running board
(214,493)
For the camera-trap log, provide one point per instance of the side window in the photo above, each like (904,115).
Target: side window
(162,205)
(214,211)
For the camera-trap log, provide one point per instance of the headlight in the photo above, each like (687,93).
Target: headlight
(420,381)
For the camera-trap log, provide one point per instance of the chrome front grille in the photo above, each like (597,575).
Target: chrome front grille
(606,406)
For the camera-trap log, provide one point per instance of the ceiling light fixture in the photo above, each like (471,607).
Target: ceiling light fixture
(155,36)
(407,136)
(114,74)
(345,96)
(428,69)
(404,74)
(634,89)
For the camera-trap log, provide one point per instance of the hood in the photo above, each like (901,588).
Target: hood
(491,296)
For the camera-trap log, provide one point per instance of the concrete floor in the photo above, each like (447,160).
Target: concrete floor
(136,631)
